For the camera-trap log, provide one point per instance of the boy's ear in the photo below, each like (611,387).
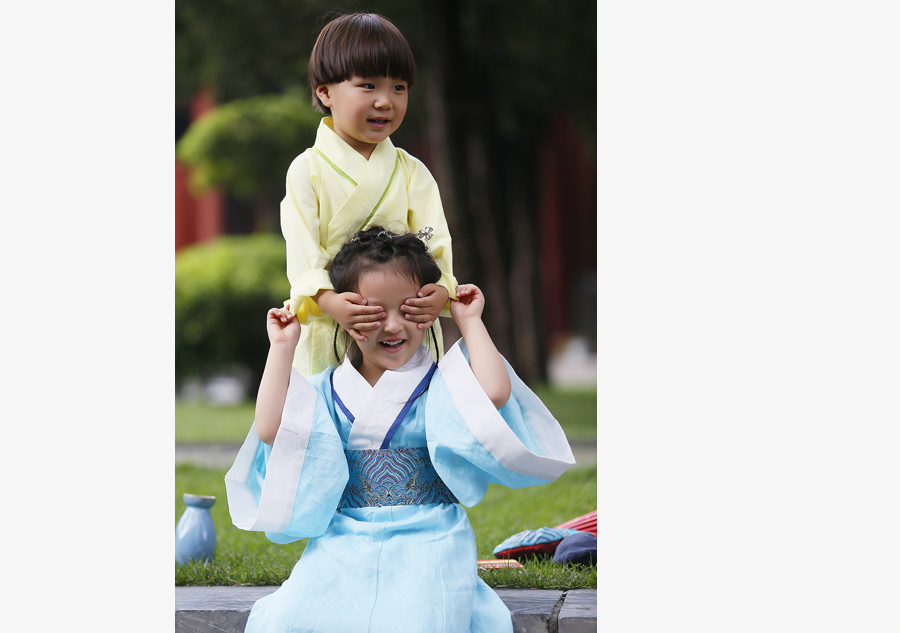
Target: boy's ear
(322,94)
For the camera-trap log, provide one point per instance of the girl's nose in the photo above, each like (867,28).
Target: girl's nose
(392,322)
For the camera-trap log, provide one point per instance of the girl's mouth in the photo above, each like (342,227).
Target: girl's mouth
(392,347)
(379,122)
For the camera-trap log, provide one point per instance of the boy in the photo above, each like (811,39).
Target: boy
(360,71)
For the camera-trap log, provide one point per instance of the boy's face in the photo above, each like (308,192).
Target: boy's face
(366,110)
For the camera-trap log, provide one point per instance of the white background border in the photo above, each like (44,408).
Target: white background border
(749,323)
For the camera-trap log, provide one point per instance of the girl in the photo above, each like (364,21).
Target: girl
(375,459)
(360,70)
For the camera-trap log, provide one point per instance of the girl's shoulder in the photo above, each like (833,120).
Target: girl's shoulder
(321,382)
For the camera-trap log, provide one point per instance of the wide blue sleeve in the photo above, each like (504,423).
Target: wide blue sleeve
(472,444)
(291,489)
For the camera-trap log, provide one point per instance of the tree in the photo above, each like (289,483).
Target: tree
(519,65)
(247,145)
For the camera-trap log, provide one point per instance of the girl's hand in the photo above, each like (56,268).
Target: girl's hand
(282,327)
(427,307)
(469,303)
(352,312)
(484,359)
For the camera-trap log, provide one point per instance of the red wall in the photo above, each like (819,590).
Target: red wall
(568,222)
(198,218)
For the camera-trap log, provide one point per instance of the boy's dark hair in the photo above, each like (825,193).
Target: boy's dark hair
(360,45)
(375,248)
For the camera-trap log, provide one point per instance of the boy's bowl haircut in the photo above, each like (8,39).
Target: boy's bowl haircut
(359,45)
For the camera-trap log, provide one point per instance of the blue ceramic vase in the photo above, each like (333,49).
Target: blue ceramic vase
(195,534)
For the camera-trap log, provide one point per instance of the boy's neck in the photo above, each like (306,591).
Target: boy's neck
(363,149)
(367,153)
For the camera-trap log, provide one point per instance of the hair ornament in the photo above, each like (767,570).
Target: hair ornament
(425,234)
(385,234)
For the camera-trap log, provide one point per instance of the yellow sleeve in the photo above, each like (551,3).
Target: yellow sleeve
(306,258)
(425,209)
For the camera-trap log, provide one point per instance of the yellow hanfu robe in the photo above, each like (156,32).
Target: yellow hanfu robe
(333,192)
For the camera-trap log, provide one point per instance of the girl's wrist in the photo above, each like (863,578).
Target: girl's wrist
(467,323)
(282,346)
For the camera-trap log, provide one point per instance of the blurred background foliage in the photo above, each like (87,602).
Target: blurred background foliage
(248,144)
(223,290)
(493,76)
(525,58)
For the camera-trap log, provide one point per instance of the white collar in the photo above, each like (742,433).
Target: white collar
(354,390)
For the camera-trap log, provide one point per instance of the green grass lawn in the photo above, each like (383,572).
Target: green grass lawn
(249,558)
(576,411)
(197,423)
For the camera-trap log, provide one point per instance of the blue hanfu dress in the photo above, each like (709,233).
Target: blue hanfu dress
(391,548)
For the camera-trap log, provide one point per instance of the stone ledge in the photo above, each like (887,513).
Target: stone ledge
(579,612)
(226,609)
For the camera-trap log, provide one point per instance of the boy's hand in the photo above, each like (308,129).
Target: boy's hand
(469,303)
(282,327)
(351,311)
(426,309)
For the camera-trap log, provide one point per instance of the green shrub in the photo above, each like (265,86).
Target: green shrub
(247,145)
(223,290)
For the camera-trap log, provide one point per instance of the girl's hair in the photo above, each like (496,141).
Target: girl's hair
(359,45)
(378,249)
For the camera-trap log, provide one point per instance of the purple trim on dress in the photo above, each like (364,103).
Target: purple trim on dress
(338,401)
(420,388)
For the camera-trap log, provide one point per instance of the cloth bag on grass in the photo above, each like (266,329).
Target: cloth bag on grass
(577,549)
(532,543)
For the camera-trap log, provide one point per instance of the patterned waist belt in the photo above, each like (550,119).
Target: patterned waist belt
(393,477)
